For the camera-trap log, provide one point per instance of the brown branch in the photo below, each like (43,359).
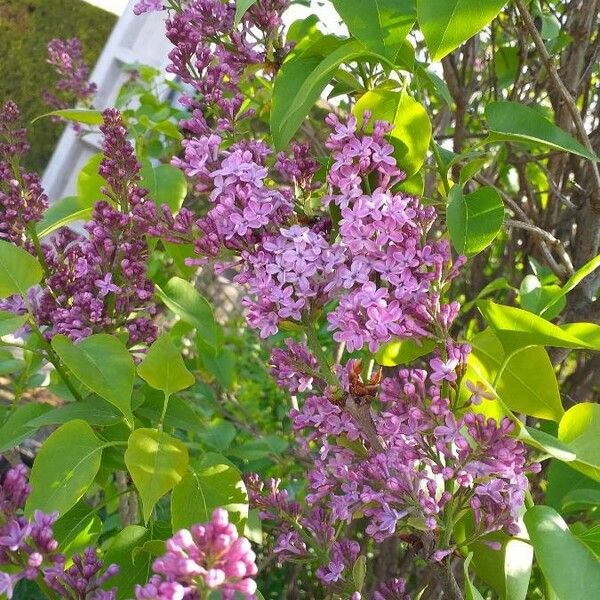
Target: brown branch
(565,95)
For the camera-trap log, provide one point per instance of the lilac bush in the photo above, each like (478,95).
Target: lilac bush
(408,425)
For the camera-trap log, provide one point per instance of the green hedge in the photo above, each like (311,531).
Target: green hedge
(26,26)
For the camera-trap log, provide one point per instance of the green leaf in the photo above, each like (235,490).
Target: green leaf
(184,300)
(79,115)
(157,463)
(471,592)
(381,25)
(446,24)
(591,538)
(581,500)
(61,213)
(64,468)
(547,443)
(90,183)
(120,551)
(218,435)
(401,352)
(534,297)
(18,270)
(179,414)
(474,220)
(412,127)
(102,363)
(359,572)
(580,429)
(570,284)
(10,322)
(222,366)
(562,479)
(570,568)
(514,121)
(506,570)
(303,76)
(78,529)
(470,170)
(215,483)
(518,328)
(93,410)
(166,184)
(241,7)
(163,368)
(434,82)
(527,382)
(18,425)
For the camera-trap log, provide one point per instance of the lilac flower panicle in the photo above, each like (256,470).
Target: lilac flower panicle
(66,57)
(98,281)
(206,557)
(22,199)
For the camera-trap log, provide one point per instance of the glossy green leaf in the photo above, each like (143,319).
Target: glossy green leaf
(580,429)
(64,468)
(77,529)
(412,128)
(18,270)
(588,333)
(303,76)
(241,7)
(547,443)
(570,568)
(103,364)
(62,213)
(90,183)
(474,220)
(18,425)
(213,483)
(184,300)
(359,572)
(518,328)
(381,25)
(166,184)
(10,322)
(514,121)
(570,284)
(401,352)
(163,368)
(157,463)
(78,115)
(535,297)
(527,382)
(446,24)
(120,551)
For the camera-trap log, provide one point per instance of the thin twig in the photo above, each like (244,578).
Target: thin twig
(565,94)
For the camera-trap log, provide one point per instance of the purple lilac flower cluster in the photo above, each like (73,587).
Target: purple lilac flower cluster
(28,549)
(433,464)
(98,282)
(22,200)
(378,267)
(207,557)
(73,87)
(211,53)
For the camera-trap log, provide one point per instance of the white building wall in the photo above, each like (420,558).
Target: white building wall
(134,39)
